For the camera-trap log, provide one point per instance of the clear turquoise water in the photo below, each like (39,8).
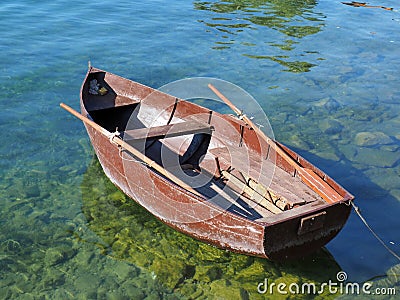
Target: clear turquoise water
(326,75)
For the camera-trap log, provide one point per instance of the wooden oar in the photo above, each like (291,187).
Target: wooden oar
(151,163)
(307,175)
(363,4)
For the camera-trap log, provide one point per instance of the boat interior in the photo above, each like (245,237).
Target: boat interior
(212,153)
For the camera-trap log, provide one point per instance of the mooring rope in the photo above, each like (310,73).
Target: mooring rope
(357,210)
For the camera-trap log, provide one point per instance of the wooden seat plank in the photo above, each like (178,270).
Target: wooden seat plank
(170,130)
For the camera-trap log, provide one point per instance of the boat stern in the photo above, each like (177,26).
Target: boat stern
(302,233)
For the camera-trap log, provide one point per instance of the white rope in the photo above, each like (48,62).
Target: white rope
(357,210)
(130,160)
(113,135)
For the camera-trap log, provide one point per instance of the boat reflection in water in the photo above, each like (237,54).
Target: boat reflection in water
(269,30)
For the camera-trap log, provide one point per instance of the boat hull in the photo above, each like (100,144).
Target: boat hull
(288,235)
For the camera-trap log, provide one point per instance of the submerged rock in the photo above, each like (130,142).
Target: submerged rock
(330,126)
(255,272)
(32,191)
(169,272)
(224,289)
(297,142)
(376,157)
(348,150)
(390,148)
(52,277)
(329,156)
(58,255)
(330,104)
(386,178)
(372,139)
(89,283)
(207,273)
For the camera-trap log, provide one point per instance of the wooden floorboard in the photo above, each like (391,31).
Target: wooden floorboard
(279,181)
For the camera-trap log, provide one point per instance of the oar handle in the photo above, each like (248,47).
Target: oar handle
(151,163)
(240,114)
(226,100)
(85,119)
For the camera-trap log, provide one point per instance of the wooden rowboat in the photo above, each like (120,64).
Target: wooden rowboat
(213,176)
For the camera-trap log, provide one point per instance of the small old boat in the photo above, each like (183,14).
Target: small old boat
(213,176)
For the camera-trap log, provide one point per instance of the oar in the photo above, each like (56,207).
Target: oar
(307,175)
(362,4)
(151,163)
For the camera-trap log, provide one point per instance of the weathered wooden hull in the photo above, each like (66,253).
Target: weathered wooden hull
(292,233)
